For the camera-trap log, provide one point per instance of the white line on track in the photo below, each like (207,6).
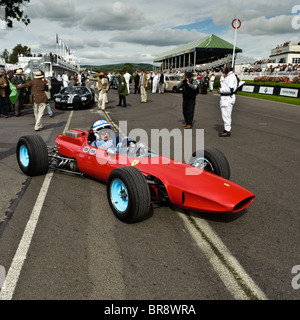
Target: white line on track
(15,269)
(233,275)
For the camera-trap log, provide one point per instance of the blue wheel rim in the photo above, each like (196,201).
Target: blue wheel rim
(24,156)
(119,195)
(204,164)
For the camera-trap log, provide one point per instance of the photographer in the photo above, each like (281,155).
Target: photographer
(189,91)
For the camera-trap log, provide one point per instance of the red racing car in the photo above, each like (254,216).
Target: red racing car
(137,177)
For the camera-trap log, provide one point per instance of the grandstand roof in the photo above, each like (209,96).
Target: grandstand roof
(209,44)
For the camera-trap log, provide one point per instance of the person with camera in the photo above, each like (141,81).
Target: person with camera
(227,91)
(189,91)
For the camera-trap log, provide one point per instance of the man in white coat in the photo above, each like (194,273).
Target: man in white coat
(155,82)
(227,99)
(211,82)
(65,79)
(127,77)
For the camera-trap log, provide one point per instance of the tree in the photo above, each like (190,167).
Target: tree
(5,55)
(13,11)
(17,50)
(128,67)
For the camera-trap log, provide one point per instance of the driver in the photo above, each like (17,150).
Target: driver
(105,136)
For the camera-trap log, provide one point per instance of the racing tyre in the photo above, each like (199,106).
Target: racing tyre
(32,155)
(212,160)
(128,194)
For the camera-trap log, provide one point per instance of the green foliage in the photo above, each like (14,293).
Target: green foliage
(131,67)
(5,55)
(13,11)
(293,84)
(18,49)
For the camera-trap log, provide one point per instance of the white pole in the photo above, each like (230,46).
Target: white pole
(234,44)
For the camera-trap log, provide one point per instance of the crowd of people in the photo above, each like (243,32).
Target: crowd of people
(144,83)
(16,90)
(272,68)
(53,57)
(191,84)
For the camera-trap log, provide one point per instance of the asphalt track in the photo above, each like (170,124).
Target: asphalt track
(79,250)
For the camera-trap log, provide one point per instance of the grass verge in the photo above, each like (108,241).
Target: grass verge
(274,84)
(294,101)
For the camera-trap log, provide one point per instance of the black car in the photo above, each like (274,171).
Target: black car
(74,97)
(114,81)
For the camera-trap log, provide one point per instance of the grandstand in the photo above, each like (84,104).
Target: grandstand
(206,53)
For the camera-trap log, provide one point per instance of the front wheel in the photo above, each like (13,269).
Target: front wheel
(211,160)
(32,155)
(128,194)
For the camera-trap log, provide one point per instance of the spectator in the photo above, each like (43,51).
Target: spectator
(122,90)
(204,83)
(211,82)
(142,85)
(18,80)
(38,97)
(65,79)
(161,83)
(3,86)
(127,77)
(103,87)
(155,81)
(136,83)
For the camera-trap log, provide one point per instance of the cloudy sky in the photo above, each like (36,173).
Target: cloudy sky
(107,32)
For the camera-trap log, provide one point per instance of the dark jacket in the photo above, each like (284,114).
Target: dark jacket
(189,91)
(122,87)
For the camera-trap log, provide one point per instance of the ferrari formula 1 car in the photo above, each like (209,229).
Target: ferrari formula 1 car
(136,176)
(74,97)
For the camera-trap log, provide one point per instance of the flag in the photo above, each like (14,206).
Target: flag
(57,38)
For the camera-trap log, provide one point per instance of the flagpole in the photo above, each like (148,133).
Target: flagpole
(234,44)
(236,24)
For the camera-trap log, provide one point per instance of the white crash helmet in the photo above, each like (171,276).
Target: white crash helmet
(98,126)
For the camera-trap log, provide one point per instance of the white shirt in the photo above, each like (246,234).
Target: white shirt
(127,77)
(230,82)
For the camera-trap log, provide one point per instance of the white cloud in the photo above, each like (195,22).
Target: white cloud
(160,38)
(115,16)
(263,26)
(139,30)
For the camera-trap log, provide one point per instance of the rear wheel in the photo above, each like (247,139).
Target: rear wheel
(211,160)
(128,194)
(32,155)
